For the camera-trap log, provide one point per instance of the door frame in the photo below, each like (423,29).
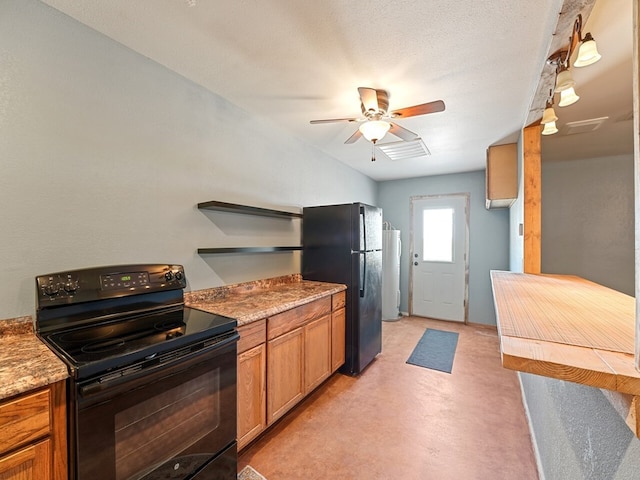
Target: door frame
(467,203)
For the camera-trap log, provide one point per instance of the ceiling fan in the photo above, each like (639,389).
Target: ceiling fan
(376,120)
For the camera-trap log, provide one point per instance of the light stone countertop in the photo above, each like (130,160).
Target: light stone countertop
(25,362)
(251,301)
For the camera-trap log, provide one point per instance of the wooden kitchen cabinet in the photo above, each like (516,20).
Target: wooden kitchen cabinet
(33,437)
(284,358)
(252,374)
(501,175)
(338,332)
(317,352)
(298,354)
(285,379)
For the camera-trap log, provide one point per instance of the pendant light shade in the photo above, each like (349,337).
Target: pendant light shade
(587,52)
(568,97)
(564,80)
(549,115)
(374,130)
(549,128)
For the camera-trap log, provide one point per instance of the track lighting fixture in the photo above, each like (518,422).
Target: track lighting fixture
(564,83)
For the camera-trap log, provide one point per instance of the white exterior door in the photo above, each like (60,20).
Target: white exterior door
(439,257)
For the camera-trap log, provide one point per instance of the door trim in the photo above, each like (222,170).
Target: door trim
(467,203)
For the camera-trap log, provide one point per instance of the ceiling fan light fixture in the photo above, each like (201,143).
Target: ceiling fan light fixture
(568,97)
(374,130)
(550,128)
(587,52)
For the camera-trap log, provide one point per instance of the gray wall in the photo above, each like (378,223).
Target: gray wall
(587,230)
(578,434)
(105,155)
(588,220)
(488,233)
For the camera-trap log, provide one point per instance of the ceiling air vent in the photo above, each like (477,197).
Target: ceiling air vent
(404,149)
(583,126)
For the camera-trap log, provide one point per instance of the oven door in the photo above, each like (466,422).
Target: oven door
(172,422)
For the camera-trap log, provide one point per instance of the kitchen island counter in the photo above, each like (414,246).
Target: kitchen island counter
(251,301)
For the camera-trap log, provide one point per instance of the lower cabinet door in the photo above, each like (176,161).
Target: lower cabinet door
(285,364)
(317,341)
(337,339)
(251,394)
(30,463)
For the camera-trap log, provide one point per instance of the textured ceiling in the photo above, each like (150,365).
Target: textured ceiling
(291,62)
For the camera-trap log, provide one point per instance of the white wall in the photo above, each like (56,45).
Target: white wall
(105,154)
(488,233)
(588,220)
(516,218)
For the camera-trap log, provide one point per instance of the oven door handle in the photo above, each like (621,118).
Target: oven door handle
(130,381)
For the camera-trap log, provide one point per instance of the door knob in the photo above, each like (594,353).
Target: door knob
(415,263)
(415,255)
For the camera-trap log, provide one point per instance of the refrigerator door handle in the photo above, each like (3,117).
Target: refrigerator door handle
(363,231)
(363,272)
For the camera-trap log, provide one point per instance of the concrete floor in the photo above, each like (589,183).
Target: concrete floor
(400,421)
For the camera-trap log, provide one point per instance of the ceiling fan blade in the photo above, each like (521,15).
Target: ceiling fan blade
(402,132)
(369,99)
(354,138)
(334,120)
(422,109)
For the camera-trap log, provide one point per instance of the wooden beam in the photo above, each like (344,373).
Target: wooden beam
(532,198)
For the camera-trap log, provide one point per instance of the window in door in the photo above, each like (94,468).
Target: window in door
(437,235)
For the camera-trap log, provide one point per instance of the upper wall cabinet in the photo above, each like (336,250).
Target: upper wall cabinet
(502,175)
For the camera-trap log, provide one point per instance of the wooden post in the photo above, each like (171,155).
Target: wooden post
(532,198)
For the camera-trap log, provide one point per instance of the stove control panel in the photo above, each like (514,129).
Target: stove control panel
(107,282)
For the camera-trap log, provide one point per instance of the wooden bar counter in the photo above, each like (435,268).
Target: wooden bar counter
(566,327)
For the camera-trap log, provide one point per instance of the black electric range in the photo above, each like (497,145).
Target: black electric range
(106,318)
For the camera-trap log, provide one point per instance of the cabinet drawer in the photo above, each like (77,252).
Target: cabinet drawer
(337,300)
(291,319)
(24,420)
(252,335)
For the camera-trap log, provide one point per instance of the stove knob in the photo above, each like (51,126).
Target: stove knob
(51,289)
(71,287)
(168,276)
(179,275)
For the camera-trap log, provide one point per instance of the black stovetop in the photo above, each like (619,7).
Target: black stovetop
(102,319)
(123,341)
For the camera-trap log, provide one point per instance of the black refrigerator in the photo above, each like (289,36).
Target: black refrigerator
(343,244)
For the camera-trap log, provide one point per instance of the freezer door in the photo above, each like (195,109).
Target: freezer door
(368,227)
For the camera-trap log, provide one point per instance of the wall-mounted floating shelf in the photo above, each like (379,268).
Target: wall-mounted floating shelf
(247,250)
(247,210)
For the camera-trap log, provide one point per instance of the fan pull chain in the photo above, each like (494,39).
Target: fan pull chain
(373,152)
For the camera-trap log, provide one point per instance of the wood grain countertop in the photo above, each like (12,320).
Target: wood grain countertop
(569,328)
(25,362)
(251,301)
